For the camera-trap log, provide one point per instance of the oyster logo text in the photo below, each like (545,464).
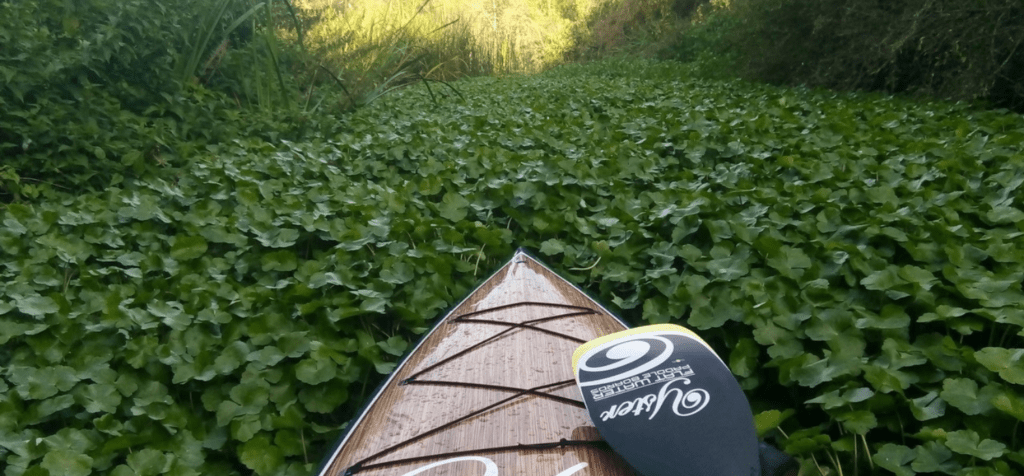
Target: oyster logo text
(682,404)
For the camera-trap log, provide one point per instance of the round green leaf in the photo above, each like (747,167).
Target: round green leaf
(231,358)
(37,305)
(453,207)
(323,398)
(279,238)
(147,462)
(250,395)
(188,247)
(963,394)
(267,356)
(170,313)
(314,371)
(99,398)
(384,368)
(1010,403)
(551,247)
(395,345)
(969,443)
(1009,363)
(397,273)
(259,455)
(858,422)
(283,260)
(767,421)
(895,458)
(933,457)
(63,462)
(743,358)
(883,280)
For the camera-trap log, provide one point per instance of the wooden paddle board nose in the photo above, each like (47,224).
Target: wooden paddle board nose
(489,390)
(665,402)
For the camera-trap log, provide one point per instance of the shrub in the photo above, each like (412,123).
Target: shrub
(935,47)
(707,43)
(95,91)
(629,27)
(59,115)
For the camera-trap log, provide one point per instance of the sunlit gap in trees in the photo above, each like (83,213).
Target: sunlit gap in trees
(460,37)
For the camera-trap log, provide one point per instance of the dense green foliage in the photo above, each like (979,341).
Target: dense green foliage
(57,122)
(942,48)
(857,261)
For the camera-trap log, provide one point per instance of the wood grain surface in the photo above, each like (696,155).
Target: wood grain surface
(469,403)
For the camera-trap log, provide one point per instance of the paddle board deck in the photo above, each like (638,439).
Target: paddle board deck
(490,391)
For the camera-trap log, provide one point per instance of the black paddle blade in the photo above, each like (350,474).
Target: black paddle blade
(667,403)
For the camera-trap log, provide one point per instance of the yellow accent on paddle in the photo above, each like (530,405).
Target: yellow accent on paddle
(583,349)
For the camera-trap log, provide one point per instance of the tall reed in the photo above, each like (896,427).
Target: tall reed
(208,30)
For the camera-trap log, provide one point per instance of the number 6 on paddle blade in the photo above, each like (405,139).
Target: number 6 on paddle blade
(667,403)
